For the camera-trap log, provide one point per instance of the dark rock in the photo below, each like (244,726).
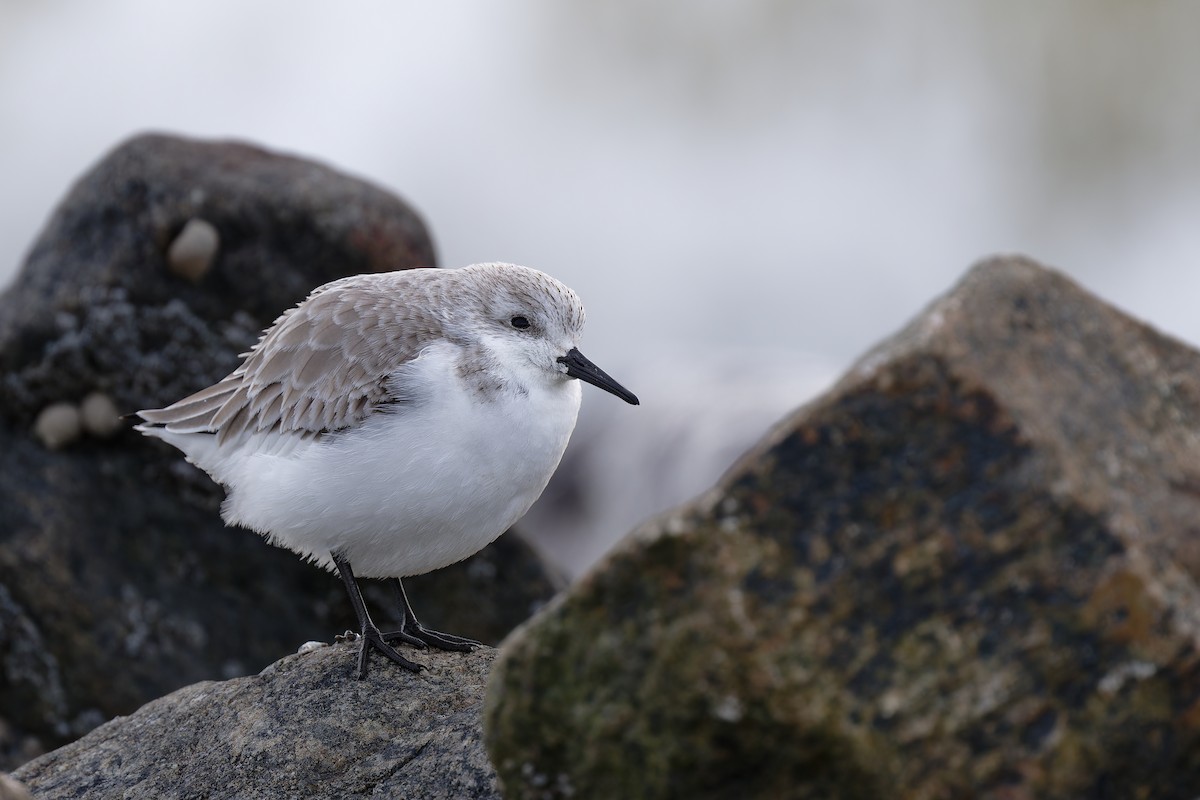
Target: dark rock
(118,580)
(302,728)
(968,570)
(96,307)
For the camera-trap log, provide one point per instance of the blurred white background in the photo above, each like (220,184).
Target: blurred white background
(747,195)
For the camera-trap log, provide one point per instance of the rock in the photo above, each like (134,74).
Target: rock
(970,569)
(191,254)
(118,580)
(57,425)
(302,728)
(100,268)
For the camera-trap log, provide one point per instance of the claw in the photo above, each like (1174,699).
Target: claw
(370,639)
(418,635)
(410,632)
(421,637)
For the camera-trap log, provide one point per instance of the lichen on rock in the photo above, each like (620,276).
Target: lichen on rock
(967,570)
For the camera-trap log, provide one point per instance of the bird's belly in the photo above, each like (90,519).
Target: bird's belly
(411,491)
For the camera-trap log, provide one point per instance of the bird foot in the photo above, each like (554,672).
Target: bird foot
(371,639)
(419,636)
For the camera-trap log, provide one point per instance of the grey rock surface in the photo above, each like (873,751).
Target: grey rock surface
(969,570)
(303,728)
(118,580)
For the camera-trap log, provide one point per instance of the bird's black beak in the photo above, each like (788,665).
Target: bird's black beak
(579,367)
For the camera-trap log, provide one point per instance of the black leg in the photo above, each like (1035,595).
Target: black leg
(370,637)
(416,634)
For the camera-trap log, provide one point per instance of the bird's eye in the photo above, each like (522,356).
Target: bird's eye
(520,323)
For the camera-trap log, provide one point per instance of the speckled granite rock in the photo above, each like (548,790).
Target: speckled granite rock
(118,580)
(969,570)
(304,728)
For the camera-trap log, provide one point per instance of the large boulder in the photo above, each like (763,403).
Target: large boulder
(118,580)
(970,569)
(105,301)
(304,727)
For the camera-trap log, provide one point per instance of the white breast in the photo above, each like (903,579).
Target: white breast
(414,488)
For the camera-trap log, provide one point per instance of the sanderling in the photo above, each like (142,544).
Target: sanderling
(394,423)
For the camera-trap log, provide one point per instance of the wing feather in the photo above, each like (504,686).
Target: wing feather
(324,365)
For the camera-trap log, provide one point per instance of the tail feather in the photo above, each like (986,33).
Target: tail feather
(197,410)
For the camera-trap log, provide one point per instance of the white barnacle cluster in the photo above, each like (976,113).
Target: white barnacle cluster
(60,424)
(192,252)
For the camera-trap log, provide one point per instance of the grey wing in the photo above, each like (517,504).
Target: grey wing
(322,366)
